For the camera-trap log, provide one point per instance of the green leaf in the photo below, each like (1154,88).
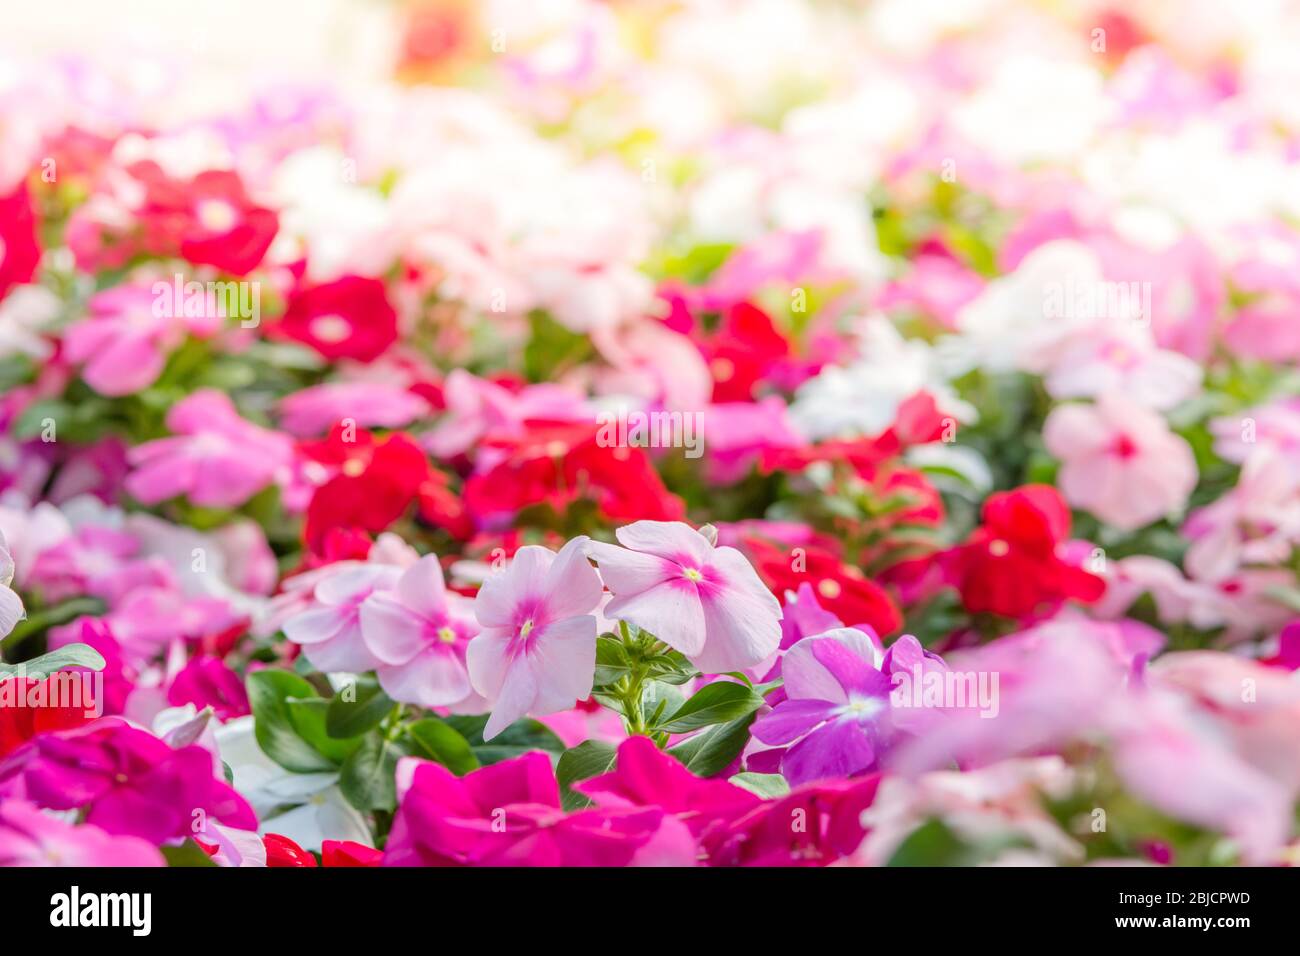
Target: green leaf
(352,718)
(269,693)
(713,704)
(611,661)
(368,775)
(439,741)
(711,751)
(188,853)
(308,718)
(766,785)
(517,739)
(589,759)
(70,655)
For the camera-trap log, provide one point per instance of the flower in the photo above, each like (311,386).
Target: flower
(645,776)
(20,252)
(349,853)
(128,781)
(124,342)
(348,318)
(704,601)
(840,588)
(11,606)
(509,814)
(283,852)
(209,682)
(216,458)
(330,630)
(1120,461)
(31,837)
(1010,565)
(836,716)
(419,633)
(31,706)
(368,404)
(536,652)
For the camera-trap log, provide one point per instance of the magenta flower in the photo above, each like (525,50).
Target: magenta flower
(128,782)
(31,837)
(509,814)
(645,776)
(216,458)
(209,682)
(704,601)
(329,630)
(536,653)
(418,632)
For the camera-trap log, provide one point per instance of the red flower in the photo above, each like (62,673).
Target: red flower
(281,851)
(208,220)
(742,352)
(1011,566)
(349,318)
(31,706)
(841,589)
(561,464)
(374,483)
(19,250)
(348,853)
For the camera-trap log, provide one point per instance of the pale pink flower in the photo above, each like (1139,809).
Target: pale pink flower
(1120,461)
(705,601)
(536,652)
(476,407)
(11,607)
(330,629)
(1257,522)
(31,837)
(125,342)
(216,458)
(419,632)
(1121,358)
(313,411)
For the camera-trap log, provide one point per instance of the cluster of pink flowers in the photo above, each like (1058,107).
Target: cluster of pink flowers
(694,419)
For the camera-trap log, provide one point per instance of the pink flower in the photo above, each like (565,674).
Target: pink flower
(1120,461)
(477,407)
(1121,358)
(128,781)
(419,632)
(536,652)
(31,837)
(125,342)
(706,602)
(509,814)
(97,561)
(314,410)
(1257,522)
(330,629)
(217,458)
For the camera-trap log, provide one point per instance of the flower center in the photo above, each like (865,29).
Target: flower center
(216,215)
(331,328)
(999,548)
(692,574)
(448,636)
(829,588)
(525,629)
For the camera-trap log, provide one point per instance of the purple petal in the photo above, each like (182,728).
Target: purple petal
(791,720)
